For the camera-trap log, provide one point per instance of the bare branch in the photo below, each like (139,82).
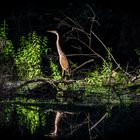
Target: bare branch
(81,55)
(91,60)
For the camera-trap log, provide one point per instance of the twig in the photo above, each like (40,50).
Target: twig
(90,40)
(91,60)
(81,55)
(135,78)
(98,121)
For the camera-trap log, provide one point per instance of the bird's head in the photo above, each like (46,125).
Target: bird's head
(53,31)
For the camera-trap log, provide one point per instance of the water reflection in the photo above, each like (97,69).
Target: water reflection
(39,121)
(32,120)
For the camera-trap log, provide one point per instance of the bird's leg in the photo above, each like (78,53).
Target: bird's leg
(64,76)
(62,73)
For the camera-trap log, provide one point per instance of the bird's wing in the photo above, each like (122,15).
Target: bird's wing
(64,63)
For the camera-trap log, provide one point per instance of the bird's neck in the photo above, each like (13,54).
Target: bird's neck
(58,46)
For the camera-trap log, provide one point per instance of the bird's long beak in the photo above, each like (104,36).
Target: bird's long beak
(52,31)
(48,31)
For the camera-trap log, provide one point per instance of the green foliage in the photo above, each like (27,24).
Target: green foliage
(138,52)
(8,50)
(120,77)
(3,30)
(7,55)
(105,74)
(100,75)
(55,71)
(29,56)
(5,44)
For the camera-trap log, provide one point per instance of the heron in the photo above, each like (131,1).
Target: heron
(64,63)
(63,60)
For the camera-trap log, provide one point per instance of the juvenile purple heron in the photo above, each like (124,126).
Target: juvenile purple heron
(65,69)
(63,60)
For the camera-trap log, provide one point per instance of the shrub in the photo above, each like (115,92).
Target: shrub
(29,56)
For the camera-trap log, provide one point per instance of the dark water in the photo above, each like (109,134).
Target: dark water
(37,122)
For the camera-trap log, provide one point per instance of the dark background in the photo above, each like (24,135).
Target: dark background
(119,29)
(119,22)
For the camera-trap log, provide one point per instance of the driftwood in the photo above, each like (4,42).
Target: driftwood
(43,86)
(42,80)
(49,89)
